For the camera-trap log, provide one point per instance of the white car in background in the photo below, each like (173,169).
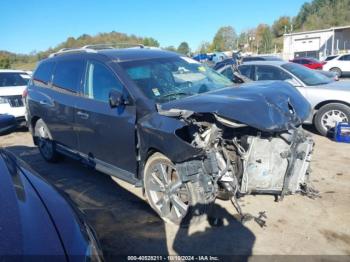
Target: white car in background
(12,85)
(339,64)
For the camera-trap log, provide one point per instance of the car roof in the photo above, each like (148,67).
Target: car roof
(131,54)
(266,62)
(118,55)
(12,71)
(261,56)
(305,57)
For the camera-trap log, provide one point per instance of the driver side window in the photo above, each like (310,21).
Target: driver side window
(264,72)
(99,81)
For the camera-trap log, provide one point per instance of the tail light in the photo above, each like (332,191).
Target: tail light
(25,93)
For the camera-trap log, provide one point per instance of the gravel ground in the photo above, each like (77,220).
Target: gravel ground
(126,225)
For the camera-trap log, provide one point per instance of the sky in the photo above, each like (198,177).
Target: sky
(28,25)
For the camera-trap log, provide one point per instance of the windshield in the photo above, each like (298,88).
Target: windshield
(165,79)
(306,75)
(13,79)
(330,57)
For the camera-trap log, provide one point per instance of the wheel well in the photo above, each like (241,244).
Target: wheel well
(318,106)
(141,166)
(33,121)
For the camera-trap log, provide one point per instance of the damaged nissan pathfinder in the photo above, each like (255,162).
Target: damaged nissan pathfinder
(170,125)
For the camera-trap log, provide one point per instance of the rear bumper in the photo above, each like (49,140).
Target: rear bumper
(17,112)
(21,121)
(7,124)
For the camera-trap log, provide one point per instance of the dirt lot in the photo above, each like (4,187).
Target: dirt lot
(126,224)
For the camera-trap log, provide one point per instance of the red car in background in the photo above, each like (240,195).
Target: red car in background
(309,62)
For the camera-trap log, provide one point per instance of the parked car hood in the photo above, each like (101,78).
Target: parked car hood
(11,90)
(25,225)
(267,106)
(36,219)
(336,85)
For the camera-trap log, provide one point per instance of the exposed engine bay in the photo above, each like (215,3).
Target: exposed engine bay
(239,160)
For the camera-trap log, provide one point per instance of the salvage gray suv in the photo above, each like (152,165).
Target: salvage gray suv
(170,125)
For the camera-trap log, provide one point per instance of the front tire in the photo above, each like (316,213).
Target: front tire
(329,115)
(45,143)
(174,201)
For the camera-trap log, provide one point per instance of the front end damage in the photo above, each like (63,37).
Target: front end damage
(247,140)
(239,160)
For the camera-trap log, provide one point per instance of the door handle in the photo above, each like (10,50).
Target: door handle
(43,102)
(83,115)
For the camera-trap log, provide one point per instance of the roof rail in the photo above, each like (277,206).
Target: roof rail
(112,46)
(98,46)
(72,50)
(93,48)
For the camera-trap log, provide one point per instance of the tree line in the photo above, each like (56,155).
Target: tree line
(317,14)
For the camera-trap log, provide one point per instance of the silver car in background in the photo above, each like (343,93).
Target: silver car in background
(330,100)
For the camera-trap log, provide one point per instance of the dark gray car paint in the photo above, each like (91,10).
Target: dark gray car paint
(36,219)
(125,136)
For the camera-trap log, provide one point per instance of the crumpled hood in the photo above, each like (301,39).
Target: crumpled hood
(267,106)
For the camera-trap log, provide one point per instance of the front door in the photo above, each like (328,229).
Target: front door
(105,133)
(344,63)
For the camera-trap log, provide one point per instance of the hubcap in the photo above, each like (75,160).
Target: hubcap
(169,195)
(330,119)
(336,71)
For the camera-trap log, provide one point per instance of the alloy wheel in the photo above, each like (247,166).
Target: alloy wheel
(167,193)
(330,119)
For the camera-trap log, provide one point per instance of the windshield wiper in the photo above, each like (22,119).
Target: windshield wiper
(177,94)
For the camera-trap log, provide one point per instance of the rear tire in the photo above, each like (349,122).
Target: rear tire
(174,201)
(337,71)
(327,116)
(46,145)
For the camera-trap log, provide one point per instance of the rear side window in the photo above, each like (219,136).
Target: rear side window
(330,58)
(43,73)
(68,74)
(246,70)
(100,81)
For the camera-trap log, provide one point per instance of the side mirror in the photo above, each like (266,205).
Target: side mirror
(116,98)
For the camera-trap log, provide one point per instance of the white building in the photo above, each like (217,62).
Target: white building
(318,44)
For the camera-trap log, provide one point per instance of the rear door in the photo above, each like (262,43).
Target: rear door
(61,99)
(106,134)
